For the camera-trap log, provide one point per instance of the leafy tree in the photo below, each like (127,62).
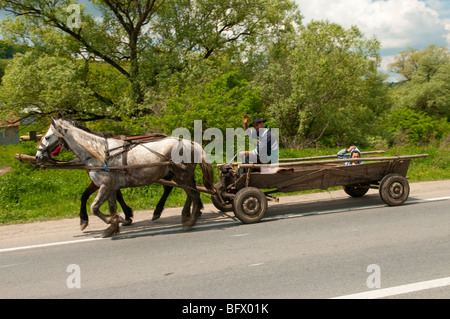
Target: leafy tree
(44,85)
(323,85)
(427,86)
(7,51)
(143,41)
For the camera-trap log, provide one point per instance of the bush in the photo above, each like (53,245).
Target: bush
(415,127)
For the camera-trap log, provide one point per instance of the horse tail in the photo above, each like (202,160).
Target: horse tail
(207,169)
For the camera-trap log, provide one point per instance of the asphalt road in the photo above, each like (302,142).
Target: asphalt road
(313,246)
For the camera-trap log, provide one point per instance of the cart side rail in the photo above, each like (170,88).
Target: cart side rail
(334,161)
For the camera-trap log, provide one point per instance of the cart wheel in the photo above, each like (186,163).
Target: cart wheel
(394,189)
(356,190)
(250,205)
(227,206)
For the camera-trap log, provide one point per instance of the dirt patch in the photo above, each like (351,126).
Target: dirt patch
(4,170)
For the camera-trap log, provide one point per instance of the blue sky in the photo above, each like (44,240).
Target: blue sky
(398,24)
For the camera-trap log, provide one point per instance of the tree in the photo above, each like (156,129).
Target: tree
(421,103)
(7,51)
(45,85)
(144,41)
(323,85)
(427,86)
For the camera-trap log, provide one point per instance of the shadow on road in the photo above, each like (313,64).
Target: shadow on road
(214,219)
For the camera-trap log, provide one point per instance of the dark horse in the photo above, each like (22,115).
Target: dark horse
(127,210)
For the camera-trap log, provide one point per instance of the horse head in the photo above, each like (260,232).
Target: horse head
(49,142)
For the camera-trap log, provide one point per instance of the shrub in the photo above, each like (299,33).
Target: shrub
(415,127)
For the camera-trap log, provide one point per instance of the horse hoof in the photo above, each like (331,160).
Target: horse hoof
(111,231)
(127,222)
(83,226)
(187,227)
(155,217)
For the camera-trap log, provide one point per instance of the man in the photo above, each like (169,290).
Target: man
(266,151)
(354,153)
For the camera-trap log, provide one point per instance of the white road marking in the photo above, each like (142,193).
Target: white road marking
(4,250)
(158,231)
(12,265)
(399,290)
(254,265)
(240,235)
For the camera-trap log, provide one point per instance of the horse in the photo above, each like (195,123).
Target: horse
(92,188)
(146,163)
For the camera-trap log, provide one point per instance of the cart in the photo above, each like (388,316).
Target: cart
(247,194)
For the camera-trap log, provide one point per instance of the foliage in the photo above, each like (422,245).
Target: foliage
(421,105)
(149,66)
(43,84)
(7,51)
(414,127)
(143,41)
(323,82)
(427,87)
(219,104)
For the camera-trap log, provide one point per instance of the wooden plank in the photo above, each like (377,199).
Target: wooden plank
(337,161)
(284,160)
(79,165)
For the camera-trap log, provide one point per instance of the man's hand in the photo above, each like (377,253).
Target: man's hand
(243,153)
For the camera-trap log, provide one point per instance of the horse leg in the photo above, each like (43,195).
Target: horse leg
(128,211)
(197,205)
(160,206)
(186,213)
(162,201)
(103,195)
(84,219)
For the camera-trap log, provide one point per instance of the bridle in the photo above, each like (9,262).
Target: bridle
(46,150)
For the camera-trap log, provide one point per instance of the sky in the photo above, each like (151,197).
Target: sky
(397,24)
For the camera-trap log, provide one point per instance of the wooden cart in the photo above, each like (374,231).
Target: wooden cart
(247,194)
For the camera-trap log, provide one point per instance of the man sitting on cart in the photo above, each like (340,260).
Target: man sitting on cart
(354,153)
(266,151)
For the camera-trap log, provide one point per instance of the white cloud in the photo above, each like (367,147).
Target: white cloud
(395,22)
(398,24)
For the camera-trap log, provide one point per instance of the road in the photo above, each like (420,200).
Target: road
(324,245)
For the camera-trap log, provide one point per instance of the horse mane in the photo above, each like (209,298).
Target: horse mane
(90,141)
(88,130)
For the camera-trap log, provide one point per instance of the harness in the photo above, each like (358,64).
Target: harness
(131,142)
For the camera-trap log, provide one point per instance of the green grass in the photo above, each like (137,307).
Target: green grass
(29,194)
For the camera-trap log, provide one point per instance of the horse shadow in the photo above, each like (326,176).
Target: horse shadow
(212,219)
